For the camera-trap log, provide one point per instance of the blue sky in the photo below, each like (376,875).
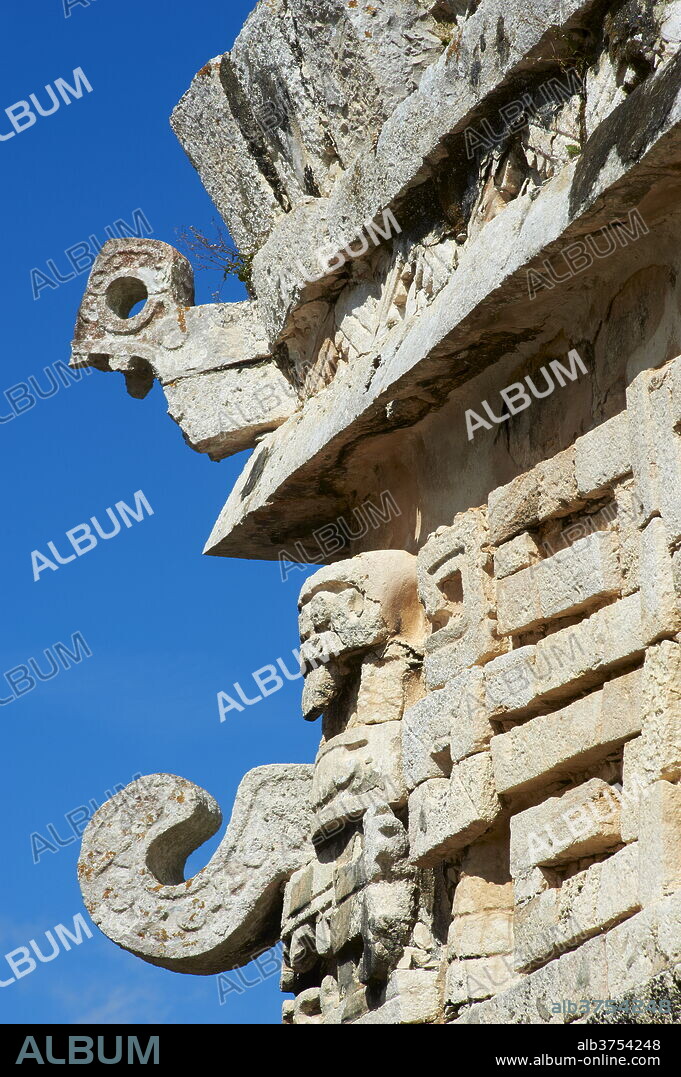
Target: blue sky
(167,627)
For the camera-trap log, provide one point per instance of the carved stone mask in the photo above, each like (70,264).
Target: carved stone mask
(349,609)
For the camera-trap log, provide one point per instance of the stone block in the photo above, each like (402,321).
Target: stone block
(484,881)
(481,934)
(470,728)
(354,1004)
(659,841)
(446,815)
(664,387)
(634,781)
(570,738)
(607,966)
(472,979)
(564,584)
(389,908)
(430,825)
(582,822)
(226,411)
(456,587)
(519,601)
(550,489)
(298,892)
(527,884)
(348,878)
(323,936)
(412,998)
(628,520)
(660,607)
(516,554)
(602,456)
(386,843)
(303,949)
(642,443)
(598,645)
(654,407)
(660,752)
(370,758)
(511,682)
(345,923)
(473,798)
(530,678)
(208,129)
(425,738)
(384,688)
(591,901)
(632,952)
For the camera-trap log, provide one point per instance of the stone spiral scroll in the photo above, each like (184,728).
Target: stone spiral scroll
(134,851)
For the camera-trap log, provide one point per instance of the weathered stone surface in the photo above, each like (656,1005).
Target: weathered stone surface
(629,518)
(640,948)
(626,958)
(412,998)
(484,933)
(414,133)
(566,583)
(654,400)
(656,1002)
(660,752)
(530,1000)
(307,1007)
(214,410)
(587,903)
(447,814)
(425,738)
(444,727)
(354,770)
(568,739)
(659,842)
(634,781)
(385,843)
(213,362)
(204,121)
(302,92)
(345,923)
(484,882)
(388,911)
(517,553)
(581,822)
(457,590)
(660,607)
(602,456)
(477,978)
(523,234)
(436,203)
(548,490)
(349,609)
(534,676)
(133,854)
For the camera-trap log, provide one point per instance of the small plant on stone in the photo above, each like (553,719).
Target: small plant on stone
(217,252)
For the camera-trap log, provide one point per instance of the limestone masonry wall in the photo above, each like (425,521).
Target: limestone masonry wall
(460,229)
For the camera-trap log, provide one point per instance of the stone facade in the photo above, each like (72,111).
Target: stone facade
(460,223)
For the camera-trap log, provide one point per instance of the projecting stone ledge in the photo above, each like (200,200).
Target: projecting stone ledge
(493,57)
(213,362)
(307,85)
(285,492)
(321,120)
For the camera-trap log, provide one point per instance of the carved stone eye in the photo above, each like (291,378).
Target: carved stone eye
(126,296)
